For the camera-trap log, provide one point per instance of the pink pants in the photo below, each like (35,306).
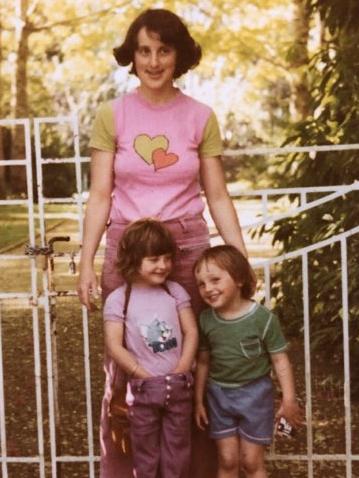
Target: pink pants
(160,419)
(192,237)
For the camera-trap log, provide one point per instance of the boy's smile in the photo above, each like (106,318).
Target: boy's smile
(217,288)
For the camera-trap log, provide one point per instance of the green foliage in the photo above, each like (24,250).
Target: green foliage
(335,96)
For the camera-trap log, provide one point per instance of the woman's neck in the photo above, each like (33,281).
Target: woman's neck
(158,97)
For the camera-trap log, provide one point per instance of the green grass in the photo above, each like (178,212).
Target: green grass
(14,226)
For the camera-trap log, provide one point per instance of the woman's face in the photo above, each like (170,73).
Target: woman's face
(154,62)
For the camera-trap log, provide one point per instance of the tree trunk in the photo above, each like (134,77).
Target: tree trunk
(299,60)
(19,97)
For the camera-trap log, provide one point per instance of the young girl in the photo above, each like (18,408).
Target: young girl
(239,341)
(161,338)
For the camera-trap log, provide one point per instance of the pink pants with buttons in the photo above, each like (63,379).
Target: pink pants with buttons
(160,420)
(192,237)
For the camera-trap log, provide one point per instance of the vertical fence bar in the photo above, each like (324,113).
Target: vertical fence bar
(35,312)
(85,329)
(347,406)
(88,391)
(303,198)
(307,360)
(2,408)
(78,172)
(264,201)
(46,304)
(267,284)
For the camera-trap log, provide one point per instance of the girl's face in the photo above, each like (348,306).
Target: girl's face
(154,62)
(154,270)
(217,288)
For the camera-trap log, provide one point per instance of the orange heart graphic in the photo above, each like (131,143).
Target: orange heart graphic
(161,159)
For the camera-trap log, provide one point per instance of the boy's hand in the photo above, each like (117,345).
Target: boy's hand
(200,415)
(292,412)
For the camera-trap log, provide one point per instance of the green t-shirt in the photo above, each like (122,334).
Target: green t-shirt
(240,348)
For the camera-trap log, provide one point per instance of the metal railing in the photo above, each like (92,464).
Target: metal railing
(46,299)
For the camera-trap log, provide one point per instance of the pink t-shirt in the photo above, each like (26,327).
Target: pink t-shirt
(153,333)
(157,163)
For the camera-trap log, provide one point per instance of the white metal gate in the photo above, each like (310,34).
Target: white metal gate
(43,301)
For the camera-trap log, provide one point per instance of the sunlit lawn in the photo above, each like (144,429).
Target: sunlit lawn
(14,222)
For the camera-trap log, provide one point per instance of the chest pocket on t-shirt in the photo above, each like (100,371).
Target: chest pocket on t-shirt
(251,348)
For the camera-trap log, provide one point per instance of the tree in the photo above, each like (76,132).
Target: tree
(334,82)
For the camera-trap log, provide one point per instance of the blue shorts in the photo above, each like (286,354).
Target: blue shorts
(247,411)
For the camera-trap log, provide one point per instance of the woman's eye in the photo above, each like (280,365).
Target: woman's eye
(142,51)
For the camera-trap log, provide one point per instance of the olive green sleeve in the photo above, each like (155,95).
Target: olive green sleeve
(103,135)
(211,144)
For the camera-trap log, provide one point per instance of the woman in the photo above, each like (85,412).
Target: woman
(152,150)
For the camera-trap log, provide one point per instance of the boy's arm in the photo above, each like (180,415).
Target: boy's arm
(199,388)
(289,408)
(189,340)
(113,332)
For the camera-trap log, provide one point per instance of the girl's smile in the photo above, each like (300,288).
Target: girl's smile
(154,270)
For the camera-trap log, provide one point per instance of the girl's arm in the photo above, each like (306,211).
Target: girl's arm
(289,407)
(113,332)
(199,389)
(220,204)
(189,340)
(97,212)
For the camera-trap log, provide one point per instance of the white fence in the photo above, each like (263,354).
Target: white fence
(42,299)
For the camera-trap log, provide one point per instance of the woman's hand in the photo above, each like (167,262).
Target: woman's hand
(97,213)
(87,288)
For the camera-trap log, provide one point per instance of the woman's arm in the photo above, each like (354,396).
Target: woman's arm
(97,212)
(199,389)
(189,340)
(220,204)
(113,332)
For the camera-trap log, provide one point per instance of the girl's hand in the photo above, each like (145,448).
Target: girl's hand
(87,288)
(200,415)
(292,412)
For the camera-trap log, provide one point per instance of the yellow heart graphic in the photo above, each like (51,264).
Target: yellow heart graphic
(145,145)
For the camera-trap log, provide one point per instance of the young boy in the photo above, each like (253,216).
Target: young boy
(239,342)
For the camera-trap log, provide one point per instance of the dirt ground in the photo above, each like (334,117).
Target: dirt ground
(17,333)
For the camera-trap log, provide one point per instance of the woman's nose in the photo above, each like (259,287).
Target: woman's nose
(154,59)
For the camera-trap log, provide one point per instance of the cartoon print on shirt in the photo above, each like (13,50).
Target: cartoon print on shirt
(157,335)
(154,151)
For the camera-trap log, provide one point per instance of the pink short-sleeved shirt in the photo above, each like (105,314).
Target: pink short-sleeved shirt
(157,159)
(153,333)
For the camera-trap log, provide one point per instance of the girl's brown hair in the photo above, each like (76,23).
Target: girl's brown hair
(143,238)
(231,260)
(171,30)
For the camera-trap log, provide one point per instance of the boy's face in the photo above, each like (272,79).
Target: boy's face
(216,287)
(154,270)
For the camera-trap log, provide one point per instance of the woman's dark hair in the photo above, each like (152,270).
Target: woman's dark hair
(143,238)
(231,260)
(171,30)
